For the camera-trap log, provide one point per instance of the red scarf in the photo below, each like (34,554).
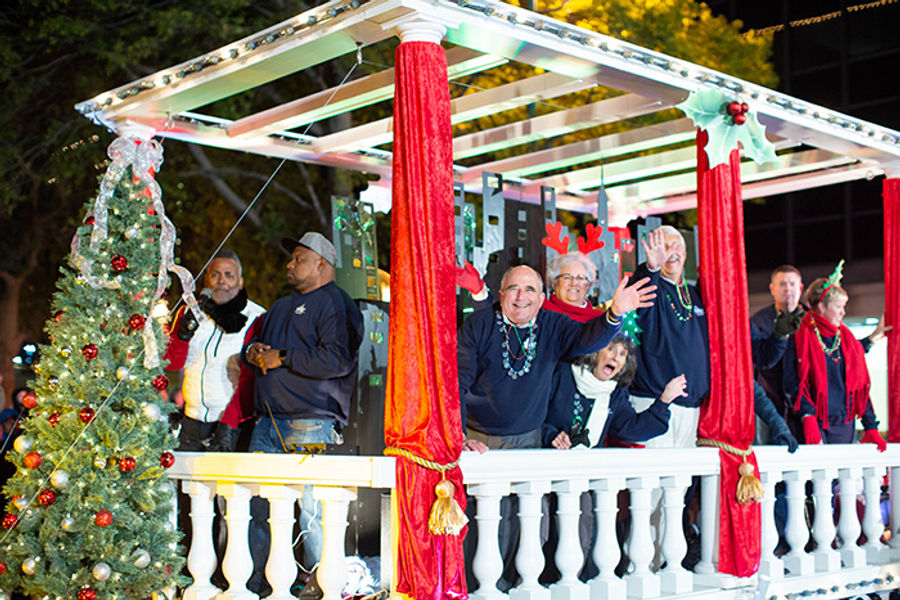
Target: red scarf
(581,314)
(813,374)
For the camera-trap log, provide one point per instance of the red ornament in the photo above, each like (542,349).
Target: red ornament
(136,322)
(89,221)
(86,414)
(33,460)
(54,419)
(29,400)
(119,263)
(58,315)
(166,460)
(745,108)
(160,382)
(127,464)
(89,351)
(103,518)
(47,497)
(733,108)
(740,119)
(87,593)
(9,520)
(2,568)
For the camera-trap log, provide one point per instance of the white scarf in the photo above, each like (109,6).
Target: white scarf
(600,391)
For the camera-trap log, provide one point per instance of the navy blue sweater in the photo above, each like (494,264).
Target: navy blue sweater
(494,402)
(568,407)
(837,391)
(671,346)
(321,332)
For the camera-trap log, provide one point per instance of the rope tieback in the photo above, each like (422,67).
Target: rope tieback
(446,516)
(749,489)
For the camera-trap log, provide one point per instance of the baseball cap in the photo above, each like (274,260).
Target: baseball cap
(314,241)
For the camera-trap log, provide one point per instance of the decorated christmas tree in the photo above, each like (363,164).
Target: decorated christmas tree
(89,512)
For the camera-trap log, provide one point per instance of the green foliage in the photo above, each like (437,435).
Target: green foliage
(103,312)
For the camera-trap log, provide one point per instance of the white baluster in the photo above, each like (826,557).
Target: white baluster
(825,557)
(569,556)
(529,557)
(606,552)
(674,578)
(852,556)
(487,564)
(332,572)
(281,568)
(237,564)
(201,561)
(797,561)
(770,566)
(895,513)
(709,526)
(641,583)
(872,525)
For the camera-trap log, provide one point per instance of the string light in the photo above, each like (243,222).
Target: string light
(820,18)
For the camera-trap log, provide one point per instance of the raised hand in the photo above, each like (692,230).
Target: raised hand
(655,249)
(871,436)
(467,277)
(676,388)
(638,295)
(561,441)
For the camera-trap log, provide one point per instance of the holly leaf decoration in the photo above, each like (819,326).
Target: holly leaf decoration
(707,109)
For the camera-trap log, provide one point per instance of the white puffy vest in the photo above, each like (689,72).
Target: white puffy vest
(208,382)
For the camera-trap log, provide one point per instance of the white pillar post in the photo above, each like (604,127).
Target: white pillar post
(487,564)
(606,551)
(332,572)
(848,523)
(797,561)
(825,557)
(895,512)
(709,525)
(641,583)
(770,566)
(530,558)
(872,525)
(201,560)
(674,578)
(569,557)
(281,568)
(237,564)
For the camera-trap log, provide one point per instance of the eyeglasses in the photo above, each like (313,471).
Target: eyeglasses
(579,279)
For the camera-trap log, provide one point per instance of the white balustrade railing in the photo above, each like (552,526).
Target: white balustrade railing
(832,544)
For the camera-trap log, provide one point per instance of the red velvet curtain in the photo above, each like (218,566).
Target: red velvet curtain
(422,411)
(892,301)
(727,416)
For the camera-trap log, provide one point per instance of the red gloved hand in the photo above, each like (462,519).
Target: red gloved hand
(873,437)
(468,278)
(811,430)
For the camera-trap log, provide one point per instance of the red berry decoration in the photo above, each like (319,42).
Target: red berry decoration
(9,520)
(89,221)
(740,119)
(33,460)
(136,322)
(2,568)
(166,460)
(86,414)
(103,518)
(47,497)
(87,593)
(733,108)
(54,419)
(89,351)
(745,108)
(29,400)
(119,263)
(161,382)
(127,464)
(58,315)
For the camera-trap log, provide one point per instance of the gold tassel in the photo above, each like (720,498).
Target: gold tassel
(446,515)
(749,489)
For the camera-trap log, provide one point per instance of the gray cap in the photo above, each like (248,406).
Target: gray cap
(314,241)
